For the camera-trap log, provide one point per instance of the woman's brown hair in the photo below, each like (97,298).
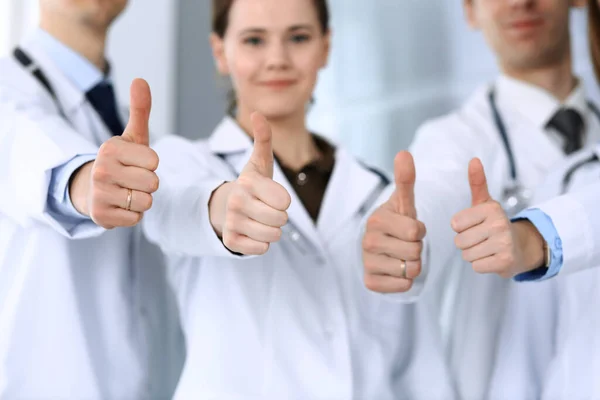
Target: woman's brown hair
(220,21)
(594,35)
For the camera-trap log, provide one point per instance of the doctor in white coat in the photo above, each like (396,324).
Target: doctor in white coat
(520,126)
(550,347)
(260,230)
(85,311)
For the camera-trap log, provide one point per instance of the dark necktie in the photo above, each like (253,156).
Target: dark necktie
(102,98)
(569,123)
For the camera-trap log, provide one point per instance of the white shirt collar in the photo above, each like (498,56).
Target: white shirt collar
(81,72)
(535,103)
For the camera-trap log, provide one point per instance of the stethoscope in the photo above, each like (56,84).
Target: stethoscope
(27,62)
(515,196)
(571,171)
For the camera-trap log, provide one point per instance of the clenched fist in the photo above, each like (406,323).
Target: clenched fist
(116,189)
(248,213)
(393,241)
(487,238)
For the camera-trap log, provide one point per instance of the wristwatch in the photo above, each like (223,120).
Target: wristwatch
(547,255)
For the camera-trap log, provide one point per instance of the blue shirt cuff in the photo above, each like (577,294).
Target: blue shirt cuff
(59,199)
(544,225)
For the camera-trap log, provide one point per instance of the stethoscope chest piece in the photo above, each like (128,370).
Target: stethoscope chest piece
(515,198)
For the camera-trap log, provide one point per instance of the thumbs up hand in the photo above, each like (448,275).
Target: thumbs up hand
(393,241)
(248,213)
(116,189)
(487,238)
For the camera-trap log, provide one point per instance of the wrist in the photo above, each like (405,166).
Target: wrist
(533,247)
(216,207)
(79,186)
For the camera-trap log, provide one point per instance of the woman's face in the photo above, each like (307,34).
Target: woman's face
(273,51)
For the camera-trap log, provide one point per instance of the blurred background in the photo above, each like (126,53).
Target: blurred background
(394,64)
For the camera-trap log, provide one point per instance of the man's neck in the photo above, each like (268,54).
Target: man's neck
(90,43)
(557,80)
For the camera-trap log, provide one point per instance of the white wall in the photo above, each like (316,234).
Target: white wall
(396,63)
(142,43)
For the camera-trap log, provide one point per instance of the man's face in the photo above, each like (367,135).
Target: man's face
(95,13)
(524,34)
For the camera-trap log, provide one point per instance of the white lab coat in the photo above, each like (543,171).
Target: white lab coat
(470,305)
(296,323)
(84,313)
(550,343)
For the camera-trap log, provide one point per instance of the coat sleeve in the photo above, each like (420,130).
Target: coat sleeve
(179,221)
(576,217)
(34,140)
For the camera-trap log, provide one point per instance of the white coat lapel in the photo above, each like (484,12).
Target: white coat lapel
(536,150)
(230,142)
(533,147)
(350,187)
(72,100)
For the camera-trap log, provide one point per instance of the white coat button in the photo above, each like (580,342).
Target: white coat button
(295,236)
(329,333)
(302,178)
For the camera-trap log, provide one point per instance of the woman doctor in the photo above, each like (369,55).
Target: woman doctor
(260,224)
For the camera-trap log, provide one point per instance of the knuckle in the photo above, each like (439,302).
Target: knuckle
(498,226)
(283,198)
(374,222)
(412,231)
(458,241)
(235,202)
(423,230)
(147,201)
(405,285)
(276,235)
(136,218)
(282,219)
(370,265)
(109,149)
(98,214)
(416,250)
(101,173)
(370,243)
(245,182)
(418,268)
(230,241)
(497,207)
(466,256)
(478,267)
(154,183)
(230,225)
(371,283)
(153,159)
(507,259)
(262,249)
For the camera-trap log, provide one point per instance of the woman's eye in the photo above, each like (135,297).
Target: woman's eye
(253,41)
(300,38)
